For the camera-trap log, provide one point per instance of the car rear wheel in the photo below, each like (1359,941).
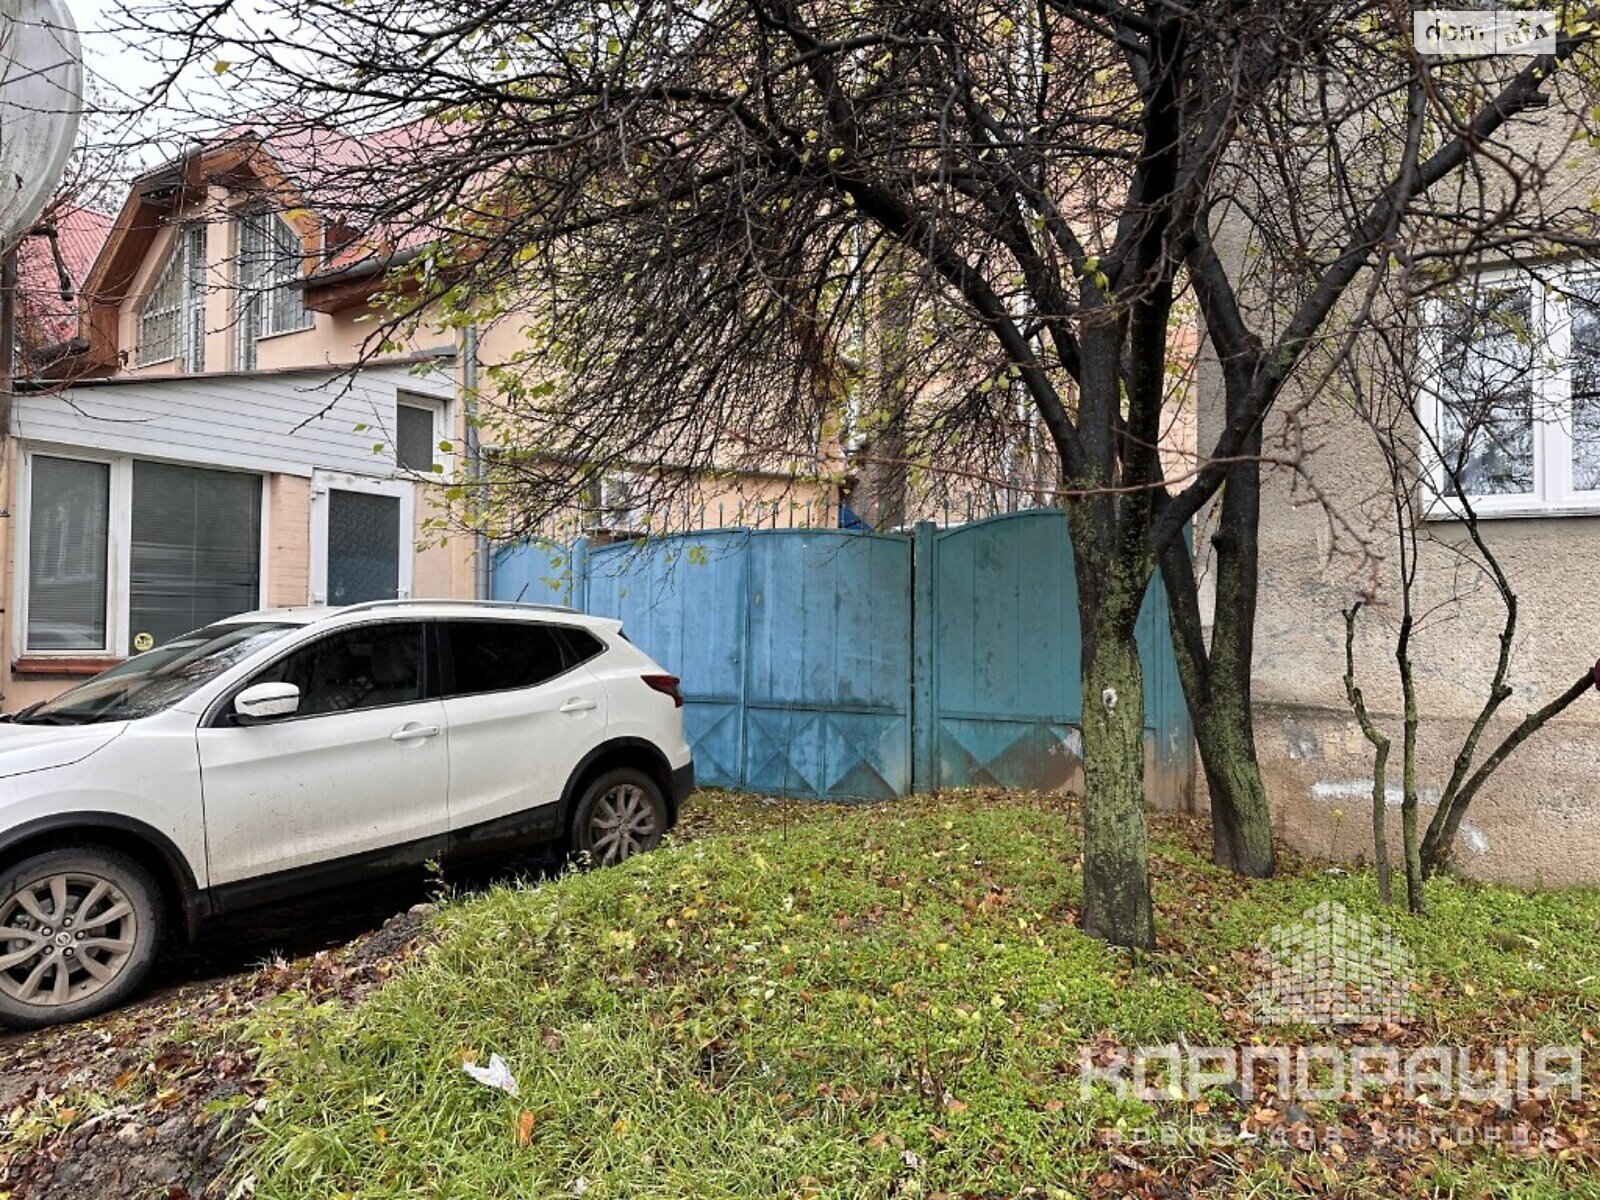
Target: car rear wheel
(620,814)
(79,929)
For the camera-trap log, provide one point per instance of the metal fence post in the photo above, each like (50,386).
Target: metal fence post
(746,566)
(924,701)
(579,568)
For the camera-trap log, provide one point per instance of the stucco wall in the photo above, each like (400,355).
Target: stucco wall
(1328,537)
(749,489)
(439,571)
(1539,818)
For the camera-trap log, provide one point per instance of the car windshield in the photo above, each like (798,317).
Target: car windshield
(157,679)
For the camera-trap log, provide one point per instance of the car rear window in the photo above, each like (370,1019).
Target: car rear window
(581,644)
(496,656)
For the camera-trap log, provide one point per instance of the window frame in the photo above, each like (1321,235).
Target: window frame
(219,715)
(1565,431)
(188,345)
(324,482)
(119,548)
(263,542)
(439,410)
(1553,493)
(254,314)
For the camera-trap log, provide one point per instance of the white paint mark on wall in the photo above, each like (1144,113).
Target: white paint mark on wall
(1333,792)
(1474,838)
(1338,791)
(1302,744)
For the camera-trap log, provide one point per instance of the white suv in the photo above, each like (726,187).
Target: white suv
(280,752)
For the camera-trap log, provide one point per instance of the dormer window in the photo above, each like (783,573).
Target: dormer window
(172,323)
(270,300)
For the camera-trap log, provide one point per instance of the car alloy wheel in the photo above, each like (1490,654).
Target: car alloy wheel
(64,937)
(623,823)
(620,814)
(79,931)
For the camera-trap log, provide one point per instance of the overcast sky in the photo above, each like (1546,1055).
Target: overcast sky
(107,55)
(119,132)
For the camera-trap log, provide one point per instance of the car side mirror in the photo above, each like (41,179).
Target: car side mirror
(262,701)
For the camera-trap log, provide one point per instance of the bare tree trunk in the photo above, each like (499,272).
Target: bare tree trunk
(1216,682)
(1380,762)
(1452,808)
(883,476)
(1116,882)
(1408,795)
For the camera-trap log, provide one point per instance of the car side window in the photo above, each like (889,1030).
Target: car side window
(367,666)
(496,656)
(581,645)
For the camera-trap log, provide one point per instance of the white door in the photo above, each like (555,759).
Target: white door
(362,538)
(361,769)
(522,714)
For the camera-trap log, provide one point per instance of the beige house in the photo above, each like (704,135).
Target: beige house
(208,436)
(205,431)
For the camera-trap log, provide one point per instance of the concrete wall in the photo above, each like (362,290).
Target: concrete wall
(1538,820)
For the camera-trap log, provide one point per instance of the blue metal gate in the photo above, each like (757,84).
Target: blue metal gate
(998,656)
(841,664)
(794,646)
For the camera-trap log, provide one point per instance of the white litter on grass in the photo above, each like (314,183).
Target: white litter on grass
(495,1075)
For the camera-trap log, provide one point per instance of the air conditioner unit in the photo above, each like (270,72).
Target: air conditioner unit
(616,508)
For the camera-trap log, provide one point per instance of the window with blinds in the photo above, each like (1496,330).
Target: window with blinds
(172,323)
(270,256)
(196,549)
(69,514)
(414,437)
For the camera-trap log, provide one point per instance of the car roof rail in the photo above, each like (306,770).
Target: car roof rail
(518,605)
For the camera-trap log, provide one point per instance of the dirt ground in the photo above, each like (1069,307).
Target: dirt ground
(149,1101)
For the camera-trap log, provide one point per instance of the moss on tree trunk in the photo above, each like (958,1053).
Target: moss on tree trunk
(1116,884)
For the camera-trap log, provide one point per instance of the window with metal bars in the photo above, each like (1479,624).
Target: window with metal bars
(270,300)
(172,323)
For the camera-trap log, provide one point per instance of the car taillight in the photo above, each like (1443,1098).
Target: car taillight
(667,685)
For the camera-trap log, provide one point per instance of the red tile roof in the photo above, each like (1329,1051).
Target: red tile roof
(339,175)
(43,317)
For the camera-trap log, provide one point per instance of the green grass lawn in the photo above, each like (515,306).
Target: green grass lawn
(825,1001)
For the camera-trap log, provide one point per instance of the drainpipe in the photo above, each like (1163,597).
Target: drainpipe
(8,333)
(480,536)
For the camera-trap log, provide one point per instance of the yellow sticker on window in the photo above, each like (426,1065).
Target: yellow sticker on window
(143,641)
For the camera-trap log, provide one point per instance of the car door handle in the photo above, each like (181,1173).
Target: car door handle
(411,731)
(579,704)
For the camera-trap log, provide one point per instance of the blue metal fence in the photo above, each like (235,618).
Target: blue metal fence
(842,664)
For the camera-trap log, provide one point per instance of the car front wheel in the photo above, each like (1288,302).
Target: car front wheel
(79,928)
(620,814)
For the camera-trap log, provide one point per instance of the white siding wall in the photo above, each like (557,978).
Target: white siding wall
(293,422)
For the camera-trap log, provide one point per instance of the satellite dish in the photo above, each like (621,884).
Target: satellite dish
(41,98)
